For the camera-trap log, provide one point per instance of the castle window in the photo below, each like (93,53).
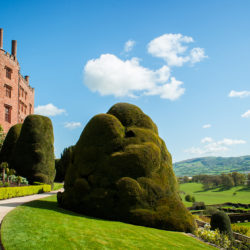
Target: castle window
(8,72)
(7,113)
(8,90)
(30,109)
(25,95)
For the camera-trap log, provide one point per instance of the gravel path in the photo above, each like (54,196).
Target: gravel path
(7,205)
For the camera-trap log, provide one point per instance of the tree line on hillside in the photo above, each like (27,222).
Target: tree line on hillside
(223,180)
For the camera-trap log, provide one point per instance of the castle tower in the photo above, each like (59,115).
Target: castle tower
(16,95)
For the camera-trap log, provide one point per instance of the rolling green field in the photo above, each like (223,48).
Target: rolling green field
(42,225)
(212,165)
(215,196)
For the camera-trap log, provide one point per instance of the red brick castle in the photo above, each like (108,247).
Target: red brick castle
(16,95)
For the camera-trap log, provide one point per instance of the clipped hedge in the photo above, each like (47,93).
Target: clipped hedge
(11,192)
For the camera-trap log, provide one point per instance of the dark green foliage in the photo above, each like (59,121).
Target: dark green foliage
(199,205)
(63,163)
(33,156)
(120,169)
(221,221)
(10,143)
(189,198)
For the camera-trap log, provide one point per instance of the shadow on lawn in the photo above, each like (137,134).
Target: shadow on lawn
(52,205)
(244,189)
(218,189)
(221,189)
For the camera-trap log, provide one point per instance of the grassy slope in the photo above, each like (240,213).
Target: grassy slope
(212,165)
(57,185)
(215,196)
(42,225)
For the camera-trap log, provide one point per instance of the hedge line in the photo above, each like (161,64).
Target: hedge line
(11,192)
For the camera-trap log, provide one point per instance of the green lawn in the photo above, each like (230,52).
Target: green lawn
(215,196)
(42,225)
(57,185)
(246,224)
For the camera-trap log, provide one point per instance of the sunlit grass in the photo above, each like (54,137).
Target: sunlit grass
(215,196)
(57,185)
(42,225)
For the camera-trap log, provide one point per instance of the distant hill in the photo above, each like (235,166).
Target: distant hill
(212,165)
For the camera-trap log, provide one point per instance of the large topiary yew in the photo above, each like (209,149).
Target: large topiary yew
(121,170)
(33,156)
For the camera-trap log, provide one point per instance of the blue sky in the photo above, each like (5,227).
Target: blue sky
(186,64)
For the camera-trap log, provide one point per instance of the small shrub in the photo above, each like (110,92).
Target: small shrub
(188,198)
(221,221)
(198,205)
(6,184)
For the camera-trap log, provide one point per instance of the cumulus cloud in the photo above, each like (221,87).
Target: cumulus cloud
(230,142)
(109,75)
(246,114)
(129,45)
(72,125)
(240,94)
(212,146)
(206,139)
(171,48)
(206,126)
(196,55)
(48,110)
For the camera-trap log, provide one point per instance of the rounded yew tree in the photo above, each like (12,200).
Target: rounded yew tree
(10,143)
(33,156)
(121,170)
(220,220)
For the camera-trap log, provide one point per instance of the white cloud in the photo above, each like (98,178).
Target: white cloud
(240,94)
(129,45)
(109,75)
(72,125)
(246,114)
(230,142)
(206,126)
(48,110)
(208,149)
(170,47)
(212,147)
(206,139)
(196,55)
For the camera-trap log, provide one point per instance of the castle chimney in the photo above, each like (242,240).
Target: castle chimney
(14,48)
(1,38)
(27,79)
